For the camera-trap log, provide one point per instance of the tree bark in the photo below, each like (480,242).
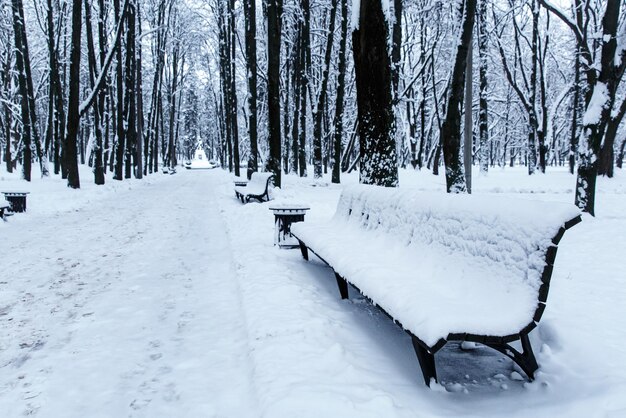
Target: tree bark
(483,112)
(450,136)
(372,66)
(273,86)
(73,114)
(341,87)
(250,17)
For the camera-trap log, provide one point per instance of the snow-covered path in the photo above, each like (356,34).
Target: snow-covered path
(130,307)
(166,298)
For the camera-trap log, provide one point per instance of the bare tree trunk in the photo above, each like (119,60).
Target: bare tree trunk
(341,87)
(140,117)
(274,10)
(450,136)
(73,115)
(250,16)
(379,161)
(467,145)
(483,113)
(573,144)
(119,113)
(20,61)
(233,88)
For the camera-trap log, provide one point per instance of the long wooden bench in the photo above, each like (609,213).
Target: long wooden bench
(257,188)
(445,267)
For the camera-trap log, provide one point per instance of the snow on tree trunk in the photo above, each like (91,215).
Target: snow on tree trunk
(372,65)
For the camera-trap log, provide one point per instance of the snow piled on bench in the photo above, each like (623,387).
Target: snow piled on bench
(441,263)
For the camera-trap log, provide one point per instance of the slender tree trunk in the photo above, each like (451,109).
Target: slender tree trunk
(450,136)
(98,169)
(483,113)
(233,88)
(341,87)
(573,144)
(119,113)
(532,113)
(620,155)
(250,16)
(467,146)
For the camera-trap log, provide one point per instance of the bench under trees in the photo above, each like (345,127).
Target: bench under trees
(257,188)
(445,267)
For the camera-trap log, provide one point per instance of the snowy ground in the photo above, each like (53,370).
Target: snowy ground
(166,298)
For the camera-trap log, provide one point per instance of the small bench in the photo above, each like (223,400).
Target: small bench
(445,267)
(4,206)
(257,188)
(17,200)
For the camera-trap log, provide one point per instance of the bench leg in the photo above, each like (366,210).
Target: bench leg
(426,360)
(304,250)
(343,286)
(525,360)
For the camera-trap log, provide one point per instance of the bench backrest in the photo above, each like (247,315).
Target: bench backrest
(520,235)
(260,178)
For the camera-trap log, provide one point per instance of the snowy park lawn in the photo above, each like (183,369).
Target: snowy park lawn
(166,298)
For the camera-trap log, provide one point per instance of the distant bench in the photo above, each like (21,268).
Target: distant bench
(17,200)
(445,267)
(257,188)
(3,209)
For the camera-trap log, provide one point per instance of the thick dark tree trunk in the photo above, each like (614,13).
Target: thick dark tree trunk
(372,66)
(450,136)
(483,112)
(119,113)
(73,113)
(140,116)
(305,59)
(233,88)
(606,162)
(274,8)
(598,110)
(341,87)
(250,16)
(130,107)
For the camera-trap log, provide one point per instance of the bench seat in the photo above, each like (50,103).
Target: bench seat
(431,292)
(445,267)
(257,188)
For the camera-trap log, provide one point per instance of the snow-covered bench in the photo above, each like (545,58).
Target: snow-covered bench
(4,206)
(445,267)
(257,188)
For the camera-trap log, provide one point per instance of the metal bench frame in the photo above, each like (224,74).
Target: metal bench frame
(525,359)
